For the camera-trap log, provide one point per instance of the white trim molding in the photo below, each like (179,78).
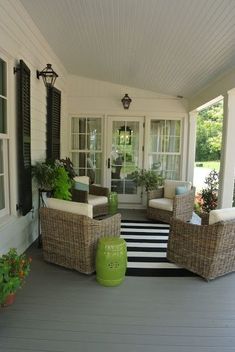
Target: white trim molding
(191,144)
(227,166)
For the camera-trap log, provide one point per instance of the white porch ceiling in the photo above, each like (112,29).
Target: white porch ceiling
(171,47)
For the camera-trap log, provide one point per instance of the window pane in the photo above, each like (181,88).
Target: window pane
(94,161)
(157,127)
(2,78)
(173,128)
(3,117)
(75,125)
(75,141)
(93,125)
(86,139)
(2,198)
(82,172)
(157,143)
(94,141)
(165,147)
(130,186)
(1,157)
(82,125)
(172,144)
(82,141)
(157,162)
(117,186)
(98,176)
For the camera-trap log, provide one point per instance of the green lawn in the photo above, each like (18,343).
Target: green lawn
(209,164)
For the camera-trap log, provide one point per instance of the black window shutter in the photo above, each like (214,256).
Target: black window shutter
(53,123)
(24,138)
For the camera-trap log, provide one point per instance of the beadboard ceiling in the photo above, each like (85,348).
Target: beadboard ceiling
(171,47)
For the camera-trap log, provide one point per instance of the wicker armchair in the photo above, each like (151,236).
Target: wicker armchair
(70,240)
(182,206)
(207,250)
(87,197)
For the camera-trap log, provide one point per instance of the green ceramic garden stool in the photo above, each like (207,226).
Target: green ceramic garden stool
(113,203)
(111,260)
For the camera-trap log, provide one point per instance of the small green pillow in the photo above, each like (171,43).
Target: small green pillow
(81,186)
(180,190)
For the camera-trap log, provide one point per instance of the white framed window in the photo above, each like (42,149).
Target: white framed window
(165,147)
(4,141)
(87,146)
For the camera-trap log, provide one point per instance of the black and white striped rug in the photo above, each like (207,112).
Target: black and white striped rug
(146,250)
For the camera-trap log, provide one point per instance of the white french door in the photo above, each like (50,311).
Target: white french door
(125,155)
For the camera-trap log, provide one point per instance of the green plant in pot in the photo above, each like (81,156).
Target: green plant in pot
(149,179)
(53,177)
(207,199)
(44,174)
(14,268)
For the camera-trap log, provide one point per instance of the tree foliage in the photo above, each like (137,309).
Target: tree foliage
(209,133)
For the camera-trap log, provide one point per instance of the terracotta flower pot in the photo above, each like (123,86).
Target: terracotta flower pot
(205,218)
(10,299)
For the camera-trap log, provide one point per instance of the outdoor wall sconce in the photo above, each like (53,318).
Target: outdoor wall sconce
(48,75)
(126,100)
(125,133)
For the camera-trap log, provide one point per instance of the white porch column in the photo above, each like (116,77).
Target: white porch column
(227,166)
(191,144)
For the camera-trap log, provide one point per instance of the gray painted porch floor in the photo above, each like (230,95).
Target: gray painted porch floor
(61,310)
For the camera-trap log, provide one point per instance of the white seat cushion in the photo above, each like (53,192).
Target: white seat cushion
(97,200)
(162,203)
(70,207)
(221,215)
(170,186)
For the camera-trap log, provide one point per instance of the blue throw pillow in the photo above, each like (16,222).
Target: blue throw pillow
(81,186)
(180,190)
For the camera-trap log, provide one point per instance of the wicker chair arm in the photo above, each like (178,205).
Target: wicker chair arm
(79,196)
(202,238)
(156,193)
(111,226)
(98,190)
(183,202)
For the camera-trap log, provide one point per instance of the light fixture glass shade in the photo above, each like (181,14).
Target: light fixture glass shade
(48,75)
(125,134)
(126,100)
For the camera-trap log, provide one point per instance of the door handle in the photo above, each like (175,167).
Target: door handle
(108,163)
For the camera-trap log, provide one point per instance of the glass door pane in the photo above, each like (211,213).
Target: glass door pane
(126,156)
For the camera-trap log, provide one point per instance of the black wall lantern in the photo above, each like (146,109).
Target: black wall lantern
(125,133)
(126,100)
(48,75)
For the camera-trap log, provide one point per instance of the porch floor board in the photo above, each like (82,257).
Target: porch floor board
(60,310)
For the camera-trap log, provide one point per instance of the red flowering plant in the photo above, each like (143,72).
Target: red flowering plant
(207,200)
(14,268)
